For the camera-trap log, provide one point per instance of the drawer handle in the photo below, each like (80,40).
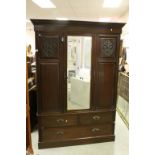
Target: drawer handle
(95,130)
(60,133)
(60,120)
(96,117)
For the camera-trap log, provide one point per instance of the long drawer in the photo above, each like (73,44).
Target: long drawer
(60,134)
(96,118)
(58,120)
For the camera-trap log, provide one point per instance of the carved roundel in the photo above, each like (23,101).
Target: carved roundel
(50,47)
(108,46)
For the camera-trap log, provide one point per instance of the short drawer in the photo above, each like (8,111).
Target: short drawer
(67,133)
(96,118)
(58,120)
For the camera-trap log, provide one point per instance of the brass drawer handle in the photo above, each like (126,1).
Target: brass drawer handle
(60,120)
(96,117)
(60,133)
(95,130)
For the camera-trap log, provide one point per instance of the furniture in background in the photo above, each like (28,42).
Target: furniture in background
(59,126)
(123,97)
(71,73)
(28,124)
(30,61)
(33,106)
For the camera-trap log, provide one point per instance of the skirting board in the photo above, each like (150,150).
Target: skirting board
(77,141)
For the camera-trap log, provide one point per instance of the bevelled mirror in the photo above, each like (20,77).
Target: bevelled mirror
(78,72)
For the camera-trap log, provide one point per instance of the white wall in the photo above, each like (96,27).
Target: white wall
(125,30)
(125,35)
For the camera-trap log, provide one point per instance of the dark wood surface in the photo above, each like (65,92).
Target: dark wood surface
(50,73)
(96,118)
(58,120)
(54,26)
(105,84)
(76,141)
(49,46)
(65,133)
(49,86)
(57,126)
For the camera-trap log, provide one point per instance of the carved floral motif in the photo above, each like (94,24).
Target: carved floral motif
(108,46)
(50,46)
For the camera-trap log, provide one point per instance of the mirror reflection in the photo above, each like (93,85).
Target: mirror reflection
(78,72)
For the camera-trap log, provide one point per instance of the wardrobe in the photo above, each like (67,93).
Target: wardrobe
(77,71)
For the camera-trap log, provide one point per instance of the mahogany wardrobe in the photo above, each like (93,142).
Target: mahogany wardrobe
(77,71)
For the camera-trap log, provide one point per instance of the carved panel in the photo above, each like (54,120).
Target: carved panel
(49,46)
(107,47)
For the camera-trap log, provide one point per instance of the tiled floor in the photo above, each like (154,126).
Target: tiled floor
(119,147)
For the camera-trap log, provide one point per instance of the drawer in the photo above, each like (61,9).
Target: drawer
(96,118)
(66,133)
(58,120)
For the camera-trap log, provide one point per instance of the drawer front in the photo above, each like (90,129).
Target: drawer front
(57,121)
(66,133)
(96,118)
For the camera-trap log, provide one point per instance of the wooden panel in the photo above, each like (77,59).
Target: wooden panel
(49,46)
(76,26)
(58,120)
(105,85)
(49,87)
(61,134)
(96,118)
(107,47)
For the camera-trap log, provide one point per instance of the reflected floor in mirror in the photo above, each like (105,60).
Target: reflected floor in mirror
(75,99)
(73,106)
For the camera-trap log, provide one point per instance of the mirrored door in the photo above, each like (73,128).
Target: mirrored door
(78,72)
